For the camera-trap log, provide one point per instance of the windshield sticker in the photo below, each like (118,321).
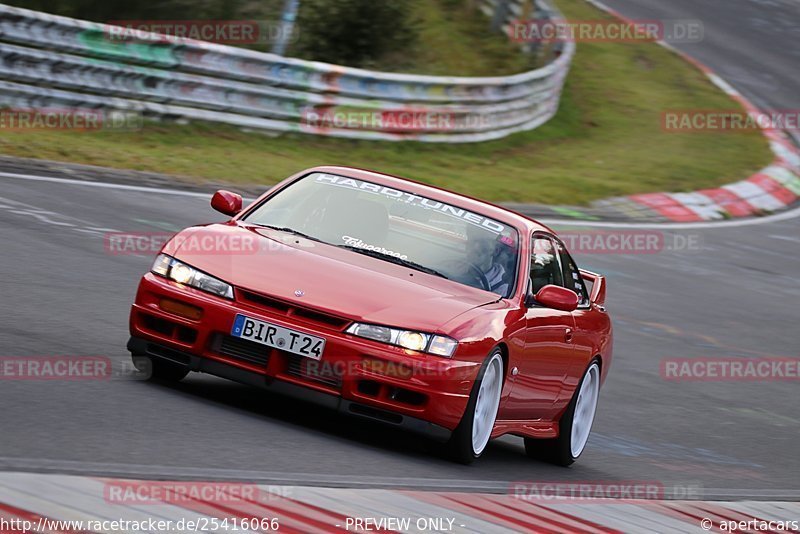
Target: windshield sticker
(356,242)
(414,200)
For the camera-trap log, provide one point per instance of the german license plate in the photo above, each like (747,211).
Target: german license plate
(278,337)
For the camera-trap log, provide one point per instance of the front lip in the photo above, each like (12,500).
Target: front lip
(322,398)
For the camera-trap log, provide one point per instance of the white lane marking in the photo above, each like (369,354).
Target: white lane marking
(104,185)
(785,238)
(40,215)
(786,215)
(51,217)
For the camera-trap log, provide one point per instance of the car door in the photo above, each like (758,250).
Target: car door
(548,352)
(589,322)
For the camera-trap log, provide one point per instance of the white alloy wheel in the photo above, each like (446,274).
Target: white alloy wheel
(585,408)
(486,404)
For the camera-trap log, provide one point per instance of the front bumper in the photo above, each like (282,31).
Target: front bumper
(423,393)
(223,370)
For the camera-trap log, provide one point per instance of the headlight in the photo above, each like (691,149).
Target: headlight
(417,341)
(442,346)
(178,271)
(412,340)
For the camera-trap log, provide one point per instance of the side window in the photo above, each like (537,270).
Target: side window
(545,263)
(572,276)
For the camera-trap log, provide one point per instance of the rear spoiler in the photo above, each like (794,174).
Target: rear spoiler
(598,290)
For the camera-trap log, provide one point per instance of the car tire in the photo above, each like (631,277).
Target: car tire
(469,439)
(159,370)
(575,425)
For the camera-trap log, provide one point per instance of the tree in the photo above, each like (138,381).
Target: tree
(353,32)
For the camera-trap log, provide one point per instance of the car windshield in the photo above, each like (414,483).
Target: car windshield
(397,226)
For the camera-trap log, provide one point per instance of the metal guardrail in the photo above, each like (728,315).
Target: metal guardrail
(51,61)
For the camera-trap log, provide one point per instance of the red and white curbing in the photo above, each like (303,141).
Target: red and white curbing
(773,188)
(62,503)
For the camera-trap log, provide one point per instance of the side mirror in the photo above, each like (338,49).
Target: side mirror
(226,202)
(557,297)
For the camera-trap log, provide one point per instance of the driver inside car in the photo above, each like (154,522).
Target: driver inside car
(485,251)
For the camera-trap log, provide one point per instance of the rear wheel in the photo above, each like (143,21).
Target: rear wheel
(575,425)
(158,369)
(473,433)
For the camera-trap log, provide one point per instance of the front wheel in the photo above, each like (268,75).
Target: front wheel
(473,432)
(575,425)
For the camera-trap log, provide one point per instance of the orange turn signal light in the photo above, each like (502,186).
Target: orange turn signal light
(179,308)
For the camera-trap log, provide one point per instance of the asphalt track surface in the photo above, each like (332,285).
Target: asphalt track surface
(733,295)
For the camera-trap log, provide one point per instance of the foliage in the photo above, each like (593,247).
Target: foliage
(353,32)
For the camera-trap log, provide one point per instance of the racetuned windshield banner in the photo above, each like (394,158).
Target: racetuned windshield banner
(414,200)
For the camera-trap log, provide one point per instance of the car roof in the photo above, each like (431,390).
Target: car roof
(521,222)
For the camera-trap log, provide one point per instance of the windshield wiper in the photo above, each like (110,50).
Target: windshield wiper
(290,231)
(394,259)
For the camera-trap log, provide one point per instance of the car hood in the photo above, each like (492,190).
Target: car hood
(331,279)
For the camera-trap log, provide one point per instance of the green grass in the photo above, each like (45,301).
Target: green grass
(606,140)
(453,40)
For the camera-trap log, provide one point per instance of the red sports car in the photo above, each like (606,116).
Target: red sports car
(390,300)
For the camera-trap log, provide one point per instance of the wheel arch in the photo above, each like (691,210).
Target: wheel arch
(503,347)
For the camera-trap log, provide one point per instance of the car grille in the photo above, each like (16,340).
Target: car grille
(292,310)
(243,349)
(310,369)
